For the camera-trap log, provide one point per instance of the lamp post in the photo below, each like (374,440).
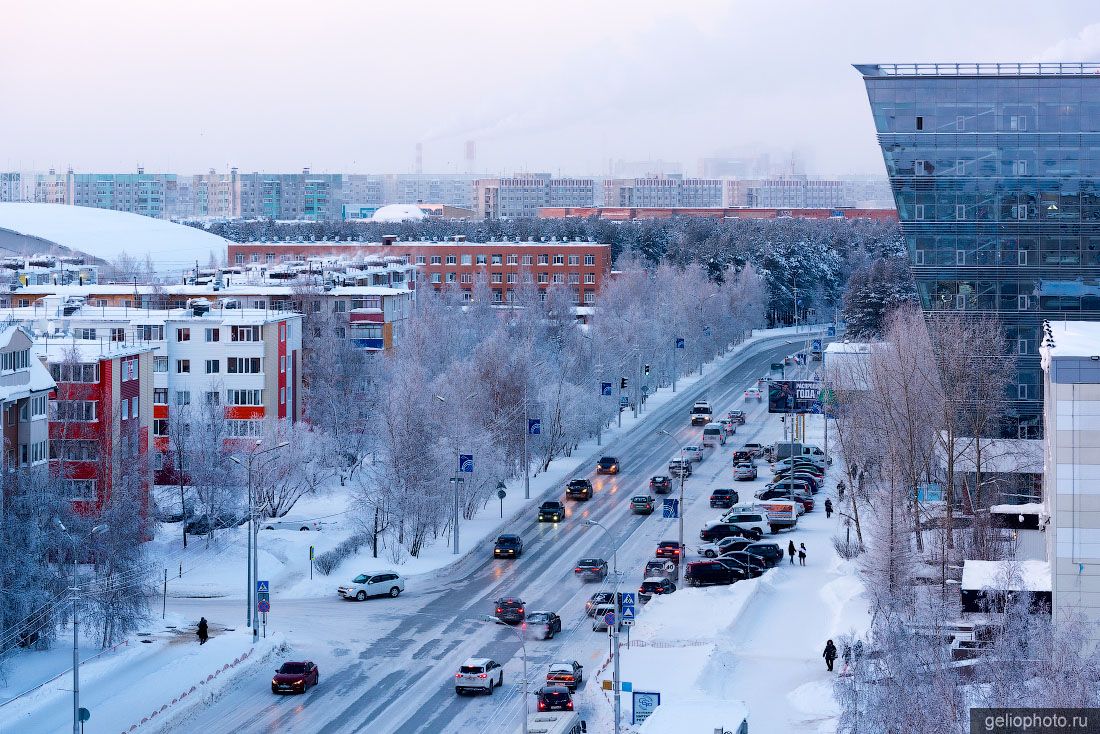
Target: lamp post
(616,681)
(76,631)
(519,631)
(253,574)
(680,511)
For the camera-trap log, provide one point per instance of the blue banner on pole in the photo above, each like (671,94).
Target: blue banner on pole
(680,343)
(534,426)
(670,510)
(466,463)
(605,388)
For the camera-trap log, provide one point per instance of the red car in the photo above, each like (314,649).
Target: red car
(668,549)
(295,677)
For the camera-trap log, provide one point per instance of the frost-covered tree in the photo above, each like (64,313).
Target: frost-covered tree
(874,291)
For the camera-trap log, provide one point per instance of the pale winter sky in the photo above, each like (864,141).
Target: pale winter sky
(353,85)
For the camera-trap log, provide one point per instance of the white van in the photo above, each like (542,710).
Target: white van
(748,516)
(556,722)
(714,435)
(781,513)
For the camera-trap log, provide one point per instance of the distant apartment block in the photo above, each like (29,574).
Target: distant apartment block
(795,192)
(522,195)
(663,191)
(623,213)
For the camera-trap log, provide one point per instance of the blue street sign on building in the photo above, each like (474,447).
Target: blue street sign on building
(605,388)
(679,343)
(466,463)
(534,426)
(670,510)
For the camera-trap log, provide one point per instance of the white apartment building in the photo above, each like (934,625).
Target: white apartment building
(25,386)
(524,193)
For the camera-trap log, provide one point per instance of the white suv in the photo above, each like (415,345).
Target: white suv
(479,675)
(384,583)
(748,516)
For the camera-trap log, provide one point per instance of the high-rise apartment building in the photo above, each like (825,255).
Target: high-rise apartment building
(524,193)
(314,197)
(995,171)
(148,194)
(794,192)
(663,192)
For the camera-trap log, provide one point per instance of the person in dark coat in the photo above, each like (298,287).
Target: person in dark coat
(828,508)
(829,655)
(802,554)
(203,632)
(840,490)
(791,550)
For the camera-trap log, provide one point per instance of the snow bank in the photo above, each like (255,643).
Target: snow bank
(1031,508)
(1006,575)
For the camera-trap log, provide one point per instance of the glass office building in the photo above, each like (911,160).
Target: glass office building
(994,169)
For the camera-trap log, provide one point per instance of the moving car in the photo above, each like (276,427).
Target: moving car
(554,722)
(578,489)
(543,624)
(551,511)
(600,598)
(714,434)
(641,504)
(569,674)
(607,465)
(668,549)
(295,677)
(753,393)
(508,546)
(384,583)
(599,616)
(510,609)
(719,530)
(729,426)
(754,448)
(680,467)
(742,456)
(770,553)
(737,416)
(712,573)
(701,413)
(660,484)
(693,452)
(655,586)
(288,524)
(479,675)
(745,472)
(555,698)
(591,569)
(665,567)
(723,497)
(728,544)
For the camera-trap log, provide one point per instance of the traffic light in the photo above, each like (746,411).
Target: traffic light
(622,383)
(647,370)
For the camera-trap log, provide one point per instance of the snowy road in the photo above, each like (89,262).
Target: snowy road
(388,665)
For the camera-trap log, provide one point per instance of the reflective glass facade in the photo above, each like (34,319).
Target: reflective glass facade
(995,174)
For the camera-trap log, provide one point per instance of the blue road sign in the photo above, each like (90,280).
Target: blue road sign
(466,463)
(831,331)
(624,400)
(680,343)
(605,388)
(670,510)
(815,345)
(626,607)
(264,606)
(262,587)
(609,619)
(645,389)
(534,426)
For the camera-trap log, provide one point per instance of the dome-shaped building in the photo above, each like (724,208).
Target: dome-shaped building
(399,213)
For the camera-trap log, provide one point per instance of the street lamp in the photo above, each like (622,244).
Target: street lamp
(615,679)
(519,631)
(680,511)
(253,560)
(98,529)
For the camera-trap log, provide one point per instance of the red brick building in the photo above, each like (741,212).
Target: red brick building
(579,266)
(627,213)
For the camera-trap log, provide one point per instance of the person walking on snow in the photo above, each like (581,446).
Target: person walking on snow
(829,655)
(790,549)
(840,490)
(828,508)
(802,554)
(202,631)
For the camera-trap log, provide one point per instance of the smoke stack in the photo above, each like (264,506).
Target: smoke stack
(471,156)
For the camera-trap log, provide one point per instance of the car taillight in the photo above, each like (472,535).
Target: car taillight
(577,569)
(542,706)
(499,610)
(482,675)
(520,610)
(458,675)
(569,706)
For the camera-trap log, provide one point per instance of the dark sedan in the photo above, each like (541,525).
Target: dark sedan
(720,530)
(660,484)
(770,553)
(607,465)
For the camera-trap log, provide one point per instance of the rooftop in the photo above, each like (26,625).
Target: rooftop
(227,291)
(1024,68)
(1006,575)
(48,310)
(1071,339)
(59,349)
(400,245)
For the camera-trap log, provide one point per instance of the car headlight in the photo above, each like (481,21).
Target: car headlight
(274,682)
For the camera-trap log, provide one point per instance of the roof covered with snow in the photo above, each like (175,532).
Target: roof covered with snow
(398,213)
(1006,575)
(106,234)
(1071,339)
(705,715)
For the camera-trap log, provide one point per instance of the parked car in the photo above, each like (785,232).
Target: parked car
(660,484)
(753,393)
(753,564)
(508,546)
(814,483)
(749,517)
(787,465)
(578,489)
(607,465)
(771,553)
(543,624)
(723,497)
(591,569)
(641,504)
(555,698)
(789,490)
(551,511)
(719,530)
(295,677)
(654,586)
(737,416)
(569,673)
(479,675)
(745,472)
(716,548)
(384,583)
(665,567)
(712,573)
(807,462)
(288,524)
(669,549)
(510,610)
(680,468)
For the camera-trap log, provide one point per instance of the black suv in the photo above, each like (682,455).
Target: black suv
(654,586)
(711,573)
(551,511)
(726,529)
(723,498)
(591,569)
(510,609)
(660,484)
(547,624)
(555,698)
(578,489)
(508,546)
(607,465)
(752,564)
(770,553)
(737,416)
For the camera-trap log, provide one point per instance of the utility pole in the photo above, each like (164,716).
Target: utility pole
(526,459)
(76,617)
(613,629)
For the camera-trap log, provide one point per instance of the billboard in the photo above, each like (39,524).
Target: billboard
(794,396)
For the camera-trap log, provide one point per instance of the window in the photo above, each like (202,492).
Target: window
(77,411)
(183,397)
(316,332)
(282,363)
(451,259)
(589,278)
(466,278)
(340,332)
(589,259)
(481,260)
(496,278)
(24,411)
(527,260)
(339,306)
(918,257)
(1021,211)
(282,396)
(437,278)
(183,366)
(183,335)
(589,297)
(282,331)
(452,277)
(574,259)
(75,450)
(559,259)
(213,366)
(160,364)
(243,365)
(18,360)
(239,259)
(1021,346)
(920,122)
(1021,392)
(511,277)
(160,427)
(1021,257)
(918,211)
(960,257)
(1023,303)
(315,306)
(574,278)
(65,372)
(420,260)
(919,168)
(960,123)
(437,260)
(513,259)
(1019,168)
(544,277)
(214,335)
(212,398)
(544,259)
(245,397)
(130,369)
(149,332)
(160,395)
(83,490)
(238,428)
(39,406)
(125,412)
(1017,122)
(558,278)
(118,334)
(467,260)
(84,333)
(247,333)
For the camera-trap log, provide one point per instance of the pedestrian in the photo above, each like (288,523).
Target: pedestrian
(829,655)
(203,632)
(840,490)
(802,554)
(828,508)
(857,651)
(847,658)
(790,549)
